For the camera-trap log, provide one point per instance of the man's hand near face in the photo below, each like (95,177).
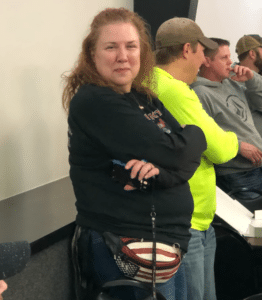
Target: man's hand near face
(242,73)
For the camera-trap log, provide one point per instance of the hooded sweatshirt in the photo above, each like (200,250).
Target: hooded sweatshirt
(228,102)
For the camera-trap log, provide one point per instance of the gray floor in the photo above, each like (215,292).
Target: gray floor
(48,276)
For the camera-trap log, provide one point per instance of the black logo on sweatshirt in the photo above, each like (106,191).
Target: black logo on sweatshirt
(237,106)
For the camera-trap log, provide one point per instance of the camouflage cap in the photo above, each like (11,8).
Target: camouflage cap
(248,42)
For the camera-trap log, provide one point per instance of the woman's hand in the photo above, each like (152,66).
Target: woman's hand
(141,170)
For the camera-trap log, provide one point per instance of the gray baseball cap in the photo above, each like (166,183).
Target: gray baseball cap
(179,31)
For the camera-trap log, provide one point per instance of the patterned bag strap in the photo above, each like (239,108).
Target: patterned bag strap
(153,220)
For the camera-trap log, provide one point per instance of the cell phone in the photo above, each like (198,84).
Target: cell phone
(121,175)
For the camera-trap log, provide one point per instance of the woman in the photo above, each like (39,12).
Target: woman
(112,116)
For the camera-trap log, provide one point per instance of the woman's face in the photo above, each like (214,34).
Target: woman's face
(117,54)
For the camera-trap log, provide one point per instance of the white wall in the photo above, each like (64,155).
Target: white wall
(230,19)
(39,41)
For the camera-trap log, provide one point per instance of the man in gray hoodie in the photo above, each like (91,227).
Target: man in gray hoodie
(228,103)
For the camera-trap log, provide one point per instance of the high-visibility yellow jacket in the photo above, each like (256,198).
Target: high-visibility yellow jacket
(184,105)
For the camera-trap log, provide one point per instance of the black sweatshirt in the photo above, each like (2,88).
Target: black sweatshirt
(105,125)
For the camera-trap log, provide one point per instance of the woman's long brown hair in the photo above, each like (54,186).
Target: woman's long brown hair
(85,71)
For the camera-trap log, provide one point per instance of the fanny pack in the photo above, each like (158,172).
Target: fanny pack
(142,260)
(134,257)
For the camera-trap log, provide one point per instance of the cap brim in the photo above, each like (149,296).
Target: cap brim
(208,43)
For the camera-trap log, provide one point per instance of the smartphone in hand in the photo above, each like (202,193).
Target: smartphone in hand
(121,175)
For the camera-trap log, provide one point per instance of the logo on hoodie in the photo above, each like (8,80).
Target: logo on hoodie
(237,106)
(155,117)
